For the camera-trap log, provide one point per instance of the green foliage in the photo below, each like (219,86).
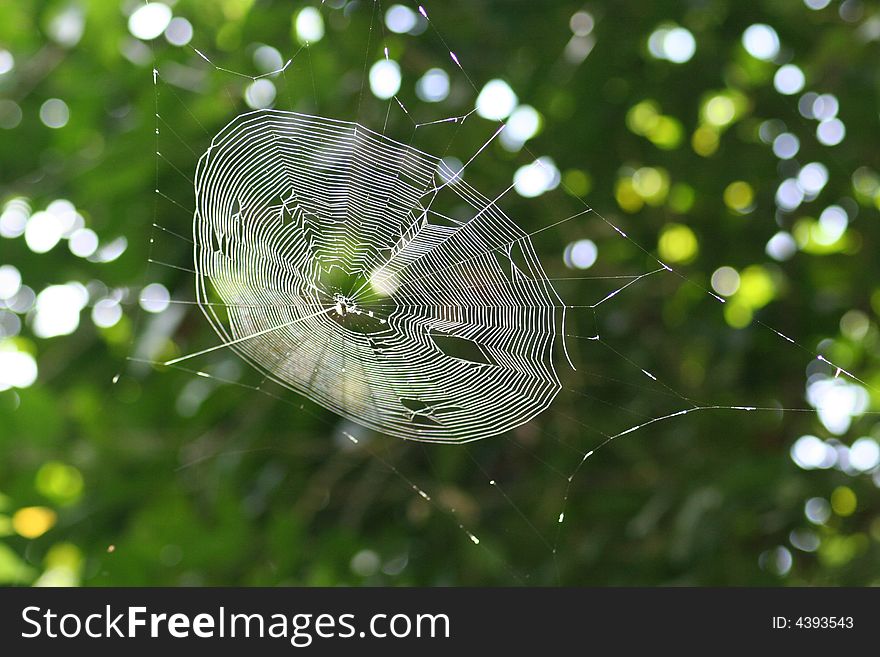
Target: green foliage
(169,478)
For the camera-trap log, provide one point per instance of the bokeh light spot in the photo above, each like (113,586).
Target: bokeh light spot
(54,113)
(761,41)
(149,21)
(179,32)
(786,146)
(309,25)
(581,254)
(781,246)
(817,510)
(433,86)
(260,94)
(384,78)
(400,19)
(739,196)
(536,178)
(10,281)
(830,132)
(496,100)
(725,281)
(844,501)
(18,369)
(864,455)
(59,482)
(58,308)
(789,79)
(677,244)
(155,298)
(33,521)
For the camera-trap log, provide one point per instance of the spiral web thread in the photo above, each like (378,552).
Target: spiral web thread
(339,281)
(417,324)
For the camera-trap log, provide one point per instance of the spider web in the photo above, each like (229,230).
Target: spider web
(370,277)
(337,279)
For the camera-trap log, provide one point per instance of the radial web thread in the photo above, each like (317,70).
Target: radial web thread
(321,260)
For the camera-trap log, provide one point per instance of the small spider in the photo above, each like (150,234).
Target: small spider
(344,306)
